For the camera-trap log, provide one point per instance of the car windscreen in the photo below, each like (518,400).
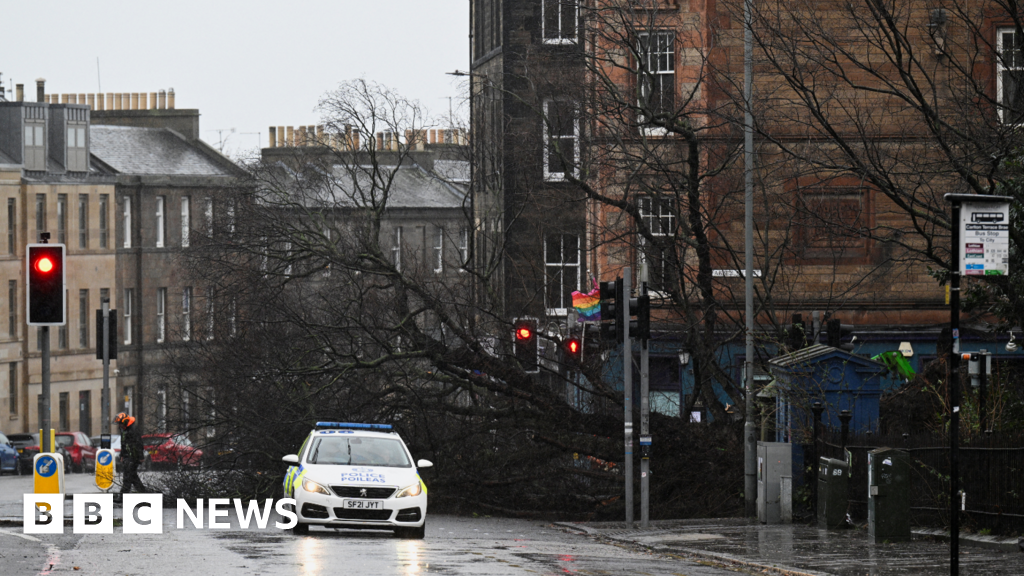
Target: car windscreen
(153,442)
(356,451)
(23,439)
(65,440)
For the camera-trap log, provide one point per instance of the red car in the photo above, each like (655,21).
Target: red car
(168,450)
(78,449)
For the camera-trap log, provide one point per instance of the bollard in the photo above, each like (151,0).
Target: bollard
(844,419)
(48,473)
(106,468)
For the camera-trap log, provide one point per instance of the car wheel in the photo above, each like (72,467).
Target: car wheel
(300,529)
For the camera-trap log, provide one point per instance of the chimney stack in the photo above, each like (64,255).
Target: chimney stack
(90,99)
(152,100)
(40,89)
(99,102)
(19,91)
(163,100)
(170,99)
(273,137)
(290,139)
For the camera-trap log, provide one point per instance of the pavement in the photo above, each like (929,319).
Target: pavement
(801,549)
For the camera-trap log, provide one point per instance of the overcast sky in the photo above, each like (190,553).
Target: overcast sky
(245,64)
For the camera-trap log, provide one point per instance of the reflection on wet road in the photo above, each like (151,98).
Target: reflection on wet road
(471,546)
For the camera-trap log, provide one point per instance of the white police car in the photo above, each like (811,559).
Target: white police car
(357,476)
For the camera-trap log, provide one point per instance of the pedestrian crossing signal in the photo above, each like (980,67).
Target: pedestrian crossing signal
(574,348)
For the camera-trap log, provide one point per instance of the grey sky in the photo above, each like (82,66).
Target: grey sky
(245,64)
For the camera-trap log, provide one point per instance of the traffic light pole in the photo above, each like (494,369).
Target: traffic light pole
(44,409)
(105,422)
(627,389)
(954,396)
(645,431)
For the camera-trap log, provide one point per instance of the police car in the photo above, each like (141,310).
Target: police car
(350,475)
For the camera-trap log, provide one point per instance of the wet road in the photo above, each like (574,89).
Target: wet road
(454,545)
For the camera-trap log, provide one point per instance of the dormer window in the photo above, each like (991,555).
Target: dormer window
(78,158)
(35,145)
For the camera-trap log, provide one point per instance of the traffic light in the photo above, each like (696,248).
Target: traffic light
(46,292)
(796,336)
(613,298)
(835,332)
(573,348)
(609,310)
(525,344)
(643,317)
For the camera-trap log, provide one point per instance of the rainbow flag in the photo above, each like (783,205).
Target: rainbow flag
(588,305)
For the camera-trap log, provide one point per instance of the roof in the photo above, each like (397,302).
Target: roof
(805,359)
(411,187)
(152,151)
(452,170)
(812,354)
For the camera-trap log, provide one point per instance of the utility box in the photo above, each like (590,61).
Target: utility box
(774,460)
(888,495)
(833,492)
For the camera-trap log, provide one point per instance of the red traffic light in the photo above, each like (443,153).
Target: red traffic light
(45,274)
(44,265)
(573,346)
(524,332)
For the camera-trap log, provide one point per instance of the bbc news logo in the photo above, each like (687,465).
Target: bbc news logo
(144,513)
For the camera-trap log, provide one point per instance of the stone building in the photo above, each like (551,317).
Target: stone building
(171,186)
(653,89)
(141,184)
(426,223)
(48,183)
(526,83)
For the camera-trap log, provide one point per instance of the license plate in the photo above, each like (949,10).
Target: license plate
(151,452)
(20,450)
(363,504)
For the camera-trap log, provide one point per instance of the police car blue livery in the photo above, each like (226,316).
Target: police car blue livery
(349,475)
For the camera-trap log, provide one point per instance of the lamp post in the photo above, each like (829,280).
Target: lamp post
(749,427)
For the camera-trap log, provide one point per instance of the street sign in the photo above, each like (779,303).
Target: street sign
(104,468)
(48,473)
(985,238)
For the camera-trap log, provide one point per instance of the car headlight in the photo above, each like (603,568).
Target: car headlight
(414,490)
(310,486)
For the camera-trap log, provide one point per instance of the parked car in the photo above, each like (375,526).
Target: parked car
(8,456)
(22,442)
(170,450)
(31,451)
(80,449)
